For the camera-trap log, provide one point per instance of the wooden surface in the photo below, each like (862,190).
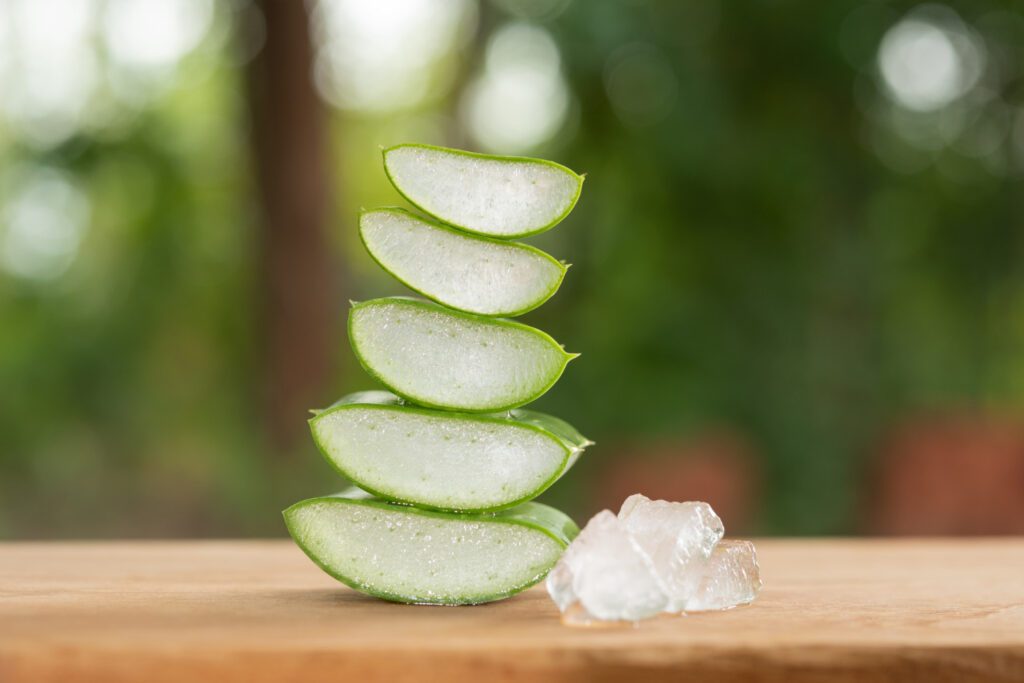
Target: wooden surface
(260,611)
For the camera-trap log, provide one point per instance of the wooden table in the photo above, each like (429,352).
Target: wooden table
(837,610)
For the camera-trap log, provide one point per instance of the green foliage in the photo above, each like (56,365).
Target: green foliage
(749,261)
(746,255)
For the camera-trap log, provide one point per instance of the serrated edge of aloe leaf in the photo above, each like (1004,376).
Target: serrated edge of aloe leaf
(549,423)
(473,317)
(490,157)
(571,450)
(556,425)
(529,515)
(562,267)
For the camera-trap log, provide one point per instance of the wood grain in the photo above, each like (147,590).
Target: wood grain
(836,610)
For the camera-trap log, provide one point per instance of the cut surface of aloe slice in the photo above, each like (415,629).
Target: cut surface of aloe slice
(468,272)
(444,460)
(440,358)
(405,554)
(489,195)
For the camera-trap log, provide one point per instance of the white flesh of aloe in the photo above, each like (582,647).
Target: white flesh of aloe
(446,525)
(440,358)
(468,272)
(405,554)
(488,195)
(444,460)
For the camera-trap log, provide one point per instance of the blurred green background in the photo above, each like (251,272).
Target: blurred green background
(798,283)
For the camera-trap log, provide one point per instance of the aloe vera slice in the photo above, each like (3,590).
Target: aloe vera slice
(468,272)
(488,195)
(405,554)
(444,460)
(441,358)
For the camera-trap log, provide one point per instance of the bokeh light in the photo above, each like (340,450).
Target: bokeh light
(929,59)
(385,55)
(521,98)
(51,69)
(946,92)
(146,39)
(45,216)
(58,59)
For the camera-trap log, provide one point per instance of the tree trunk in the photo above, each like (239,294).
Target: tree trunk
(296,276)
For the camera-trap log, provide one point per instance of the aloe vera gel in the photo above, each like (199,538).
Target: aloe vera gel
(465,272)
(446,462)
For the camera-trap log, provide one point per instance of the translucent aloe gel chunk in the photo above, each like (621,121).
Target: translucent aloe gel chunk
(444,460)
(488,195)
(406,554)
(468,272)
(440,358)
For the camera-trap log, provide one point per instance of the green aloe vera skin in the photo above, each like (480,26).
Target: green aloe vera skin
(405,554)
(460,462)
(470,273)
(504,197)
(439,358)
(446,463)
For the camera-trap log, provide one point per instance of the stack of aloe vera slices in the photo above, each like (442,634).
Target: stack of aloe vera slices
(447,462)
